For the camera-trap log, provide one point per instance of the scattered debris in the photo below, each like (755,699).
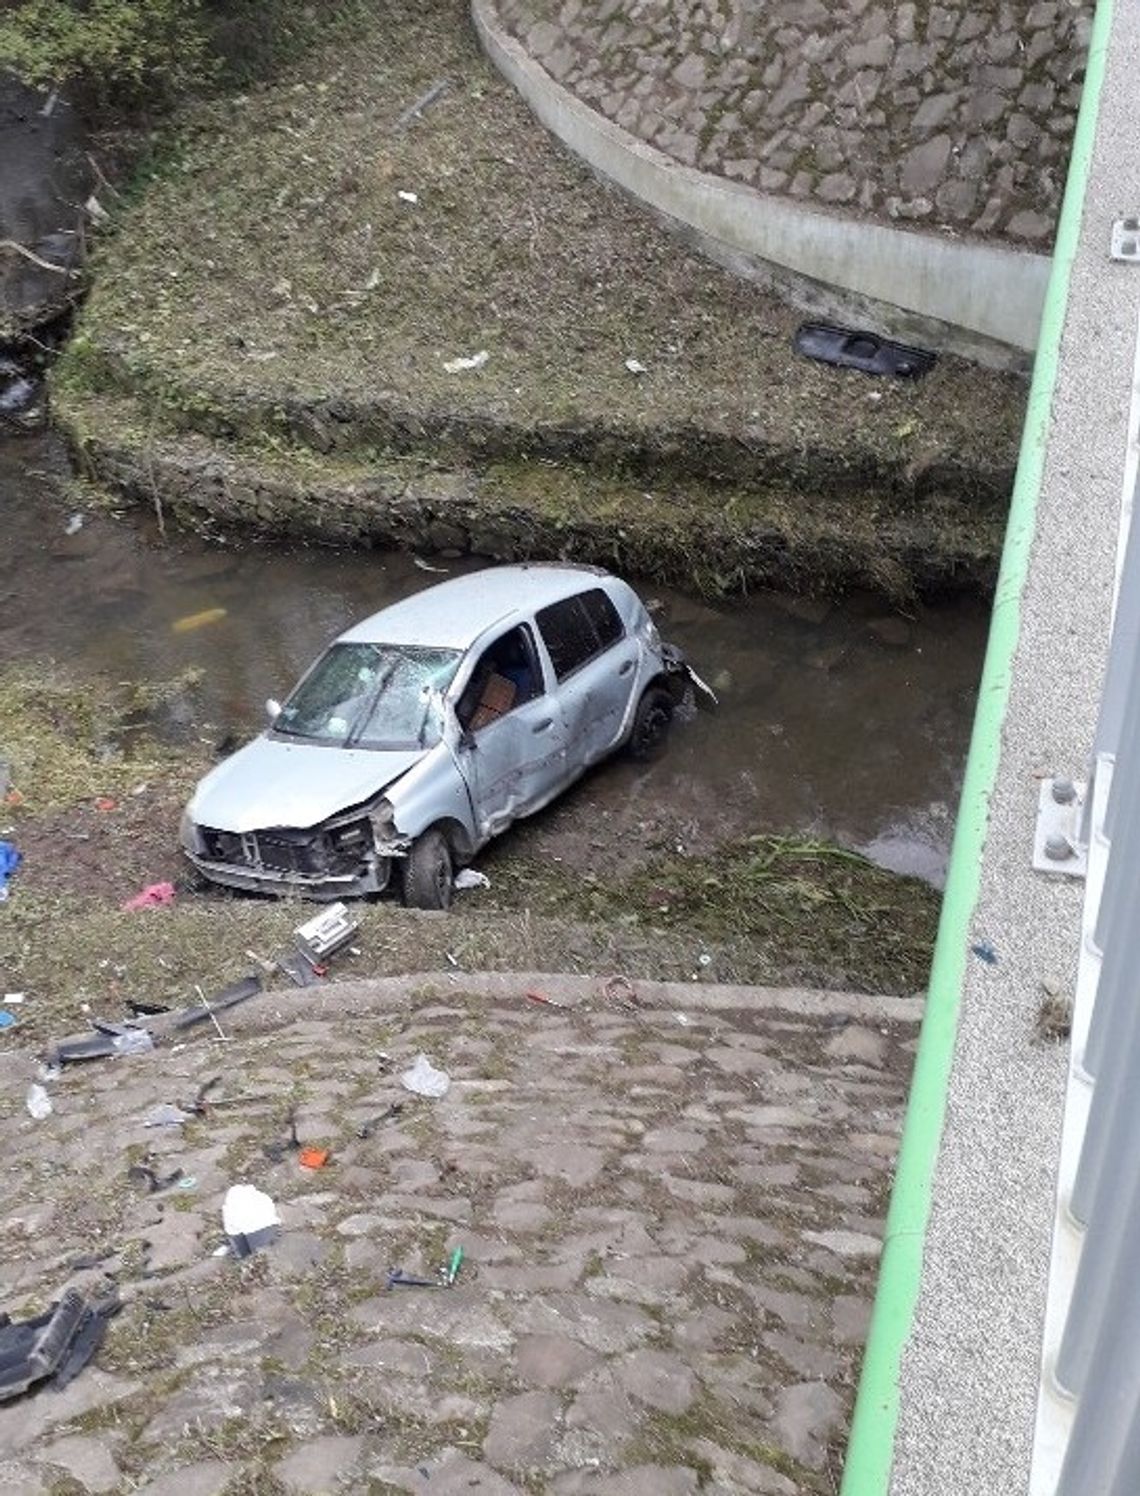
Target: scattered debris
(74,525)
(229,997)
(10,860)
(366,1129)
(425,101)
(197,620)
(408,197)
(458,365)
(105,804)
(38,1102)
(635,366)
(423,1079)
(155,1183)
(444,1278)
(299,970)
(535,996)
(275,1152)
(321,937)
(109,1041)
(866,351)
(1055,1015)
(55,1346)
(684,1020)
(471,878)
(418,561)
(7,1020)
(152,897)
(14,999)
(985,951)
(313,1158)
(249,1219)
(96,211)
(621,992)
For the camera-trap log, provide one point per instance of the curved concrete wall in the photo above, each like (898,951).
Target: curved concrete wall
(976,299)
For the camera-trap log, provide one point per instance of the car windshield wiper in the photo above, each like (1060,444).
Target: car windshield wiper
(353,738)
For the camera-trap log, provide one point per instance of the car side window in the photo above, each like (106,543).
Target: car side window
(577,629)
(507,675)
(604,616)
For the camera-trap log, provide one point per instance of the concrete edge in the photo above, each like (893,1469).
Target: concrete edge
(979,300)
(352,998)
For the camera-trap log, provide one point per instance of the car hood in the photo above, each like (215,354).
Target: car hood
(268,783)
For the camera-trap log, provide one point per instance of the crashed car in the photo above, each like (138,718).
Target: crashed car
(427,729)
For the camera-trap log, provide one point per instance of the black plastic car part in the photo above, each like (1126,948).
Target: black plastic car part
(847,349)
(57,1344)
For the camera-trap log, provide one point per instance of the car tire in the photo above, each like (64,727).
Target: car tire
(651,723)
(428,872)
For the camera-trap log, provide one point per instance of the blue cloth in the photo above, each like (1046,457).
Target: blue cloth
(10,860)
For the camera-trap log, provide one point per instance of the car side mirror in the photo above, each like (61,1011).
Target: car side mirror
(272,710)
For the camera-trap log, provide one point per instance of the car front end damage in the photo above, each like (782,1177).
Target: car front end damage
(350,854)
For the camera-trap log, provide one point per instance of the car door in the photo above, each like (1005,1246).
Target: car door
(512,752)
(595,665)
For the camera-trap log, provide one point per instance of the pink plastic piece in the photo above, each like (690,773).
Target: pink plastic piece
(152,896)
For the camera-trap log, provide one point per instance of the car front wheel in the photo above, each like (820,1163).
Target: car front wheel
(428,872)
(651,724)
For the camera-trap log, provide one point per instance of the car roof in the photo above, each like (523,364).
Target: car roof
(455,613)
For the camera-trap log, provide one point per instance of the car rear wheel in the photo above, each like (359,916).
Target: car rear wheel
(651,724)
(428,873)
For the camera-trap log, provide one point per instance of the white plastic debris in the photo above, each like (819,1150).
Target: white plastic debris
(14,999)
(635,366)
(421,565)
(470,878)
(249,1219)
(423,1079)
(74,525)
(457,365)
(408,197)
(134,1041)
(683,1019)
(38,1102)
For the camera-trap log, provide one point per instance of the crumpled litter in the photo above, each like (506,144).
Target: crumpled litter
(38,1102)
(10,860)
(457,365)
(471,878)
(152,896)
(423,1079)
(249,1219)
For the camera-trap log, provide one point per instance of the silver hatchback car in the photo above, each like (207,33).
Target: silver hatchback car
(427,729)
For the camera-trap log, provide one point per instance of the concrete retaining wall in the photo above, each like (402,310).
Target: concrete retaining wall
(976,299)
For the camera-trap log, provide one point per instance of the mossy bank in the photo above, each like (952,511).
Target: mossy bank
(278,313)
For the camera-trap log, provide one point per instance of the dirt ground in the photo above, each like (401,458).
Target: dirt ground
(669,1202)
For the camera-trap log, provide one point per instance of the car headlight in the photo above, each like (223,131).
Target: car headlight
(188,834)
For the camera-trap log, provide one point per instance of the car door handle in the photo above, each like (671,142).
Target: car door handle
(544,726)
(626,668)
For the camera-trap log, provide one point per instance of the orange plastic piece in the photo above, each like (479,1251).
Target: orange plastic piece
(105,802)
(313,1158)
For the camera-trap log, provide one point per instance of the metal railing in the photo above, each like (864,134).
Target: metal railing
(1088,1425)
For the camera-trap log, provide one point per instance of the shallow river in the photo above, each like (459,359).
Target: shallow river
(839,720)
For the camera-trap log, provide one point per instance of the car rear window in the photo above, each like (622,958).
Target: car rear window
(577,629)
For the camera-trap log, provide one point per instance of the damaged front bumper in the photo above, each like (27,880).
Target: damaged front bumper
(681,676)
(330,862)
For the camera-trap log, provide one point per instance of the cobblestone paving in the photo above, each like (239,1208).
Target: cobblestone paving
(955,115)
(671,1220)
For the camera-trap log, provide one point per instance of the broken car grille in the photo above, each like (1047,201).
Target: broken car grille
(278,852)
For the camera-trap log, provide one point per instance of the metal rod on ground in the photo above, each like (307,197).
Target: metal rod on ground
(213,1015)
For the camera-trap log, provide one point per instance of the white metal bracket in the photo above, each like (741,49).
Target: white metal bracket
(1057,846)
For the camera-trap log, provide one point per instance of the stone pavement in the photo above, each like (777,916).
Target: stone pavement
(670,1214)
(955,115)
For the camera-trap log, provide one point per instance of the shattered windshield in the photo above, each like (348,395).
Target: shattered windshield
(372,696)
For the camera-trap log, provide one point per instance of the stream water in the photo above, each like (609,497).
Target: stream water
(837,719)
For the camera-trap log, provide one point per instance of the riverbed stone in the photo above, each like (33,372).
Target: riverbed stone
(207,1478)
(551,1360)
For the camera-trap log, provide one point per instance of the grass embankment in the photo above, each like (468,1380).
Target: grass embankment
(273,290)
(94,807)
